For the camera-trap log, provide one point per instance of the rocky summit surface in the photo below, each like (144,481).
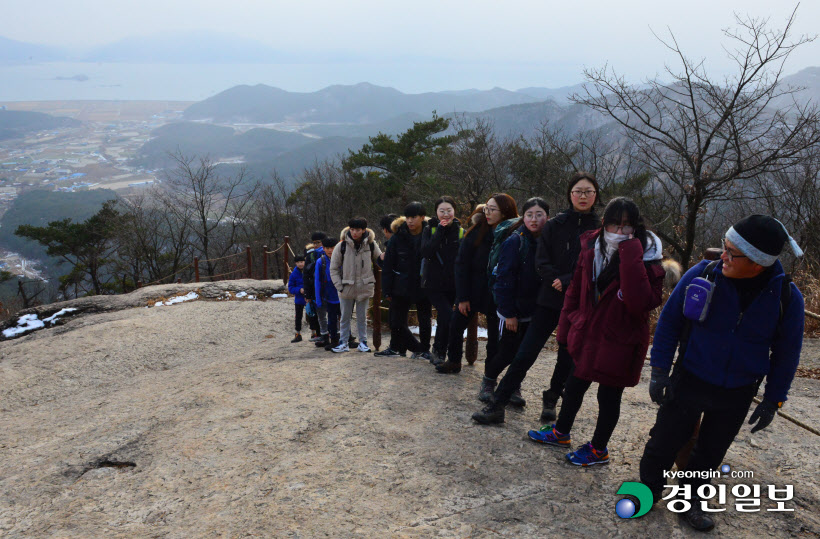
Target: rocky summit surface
(201,419)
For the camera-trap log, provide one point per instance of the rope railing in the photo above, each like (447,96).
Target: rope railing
(180,270)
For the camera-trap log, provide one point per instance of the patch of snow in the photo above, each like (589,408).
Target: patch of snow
(482,332)
(30,322)
(275,296)
(179,299)
(241,294)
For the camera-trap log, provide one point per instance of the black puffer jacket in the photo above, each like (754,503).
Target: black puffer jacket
(471,269)
(402,263)
(439,251)
(558,250)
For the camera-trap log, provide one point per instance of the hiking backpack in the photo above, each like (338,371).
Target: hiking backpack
(503,230)
(308,274)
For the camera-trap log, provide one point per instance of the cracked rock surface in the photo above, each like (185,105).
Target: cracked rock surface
(201,419)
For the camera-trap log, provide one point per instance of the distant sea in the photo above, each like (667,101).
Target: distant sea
(194,82)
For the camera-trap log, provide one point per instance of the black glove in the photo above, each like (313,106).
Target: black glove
(763,414)
(659,385)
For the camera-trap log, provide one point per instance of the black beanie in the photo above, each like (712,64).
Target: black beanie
(318,236)
(761,238)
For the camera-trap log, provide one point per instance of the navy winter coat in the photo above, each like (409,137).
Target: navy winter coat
(325,291)
(733,348)
(295,283)
(517,282)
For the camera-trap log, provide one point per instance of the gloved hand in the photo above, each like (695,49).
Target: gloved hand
(763,414)
(659,385)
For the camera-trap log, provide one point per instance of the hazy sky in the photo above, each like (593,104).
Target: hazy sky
(563,36)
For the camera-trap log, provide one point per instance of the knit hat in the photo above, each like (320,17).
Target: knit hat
(761,238)
(318,236)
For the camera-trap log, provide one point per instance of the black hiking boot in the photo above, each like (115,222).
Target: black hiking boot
(548,414)
(517,400)
(323,341)
(449,367)
(696,518)
(485,393)
(492,414)
(298,338)
(332,343)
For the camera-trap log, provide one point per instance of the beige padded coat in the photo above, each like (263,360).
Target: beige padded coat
(353,276)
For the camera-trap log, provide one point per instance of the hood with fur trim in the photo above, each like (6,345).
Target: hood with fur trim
(370,236)
(400,220)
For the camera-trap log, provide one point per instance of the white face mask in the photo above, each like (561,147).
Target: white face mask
(612,239)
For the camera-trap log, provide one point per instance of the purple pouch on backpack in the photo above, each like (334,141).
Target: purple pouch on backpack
(697,299)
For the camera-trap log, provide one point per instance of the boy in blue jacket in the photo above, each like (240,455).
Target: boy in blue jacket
(327,298)
(296,286)
(752,331)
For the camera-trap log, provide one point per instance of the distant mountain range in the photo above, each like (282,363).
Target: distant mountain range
(362,103)
(17,123)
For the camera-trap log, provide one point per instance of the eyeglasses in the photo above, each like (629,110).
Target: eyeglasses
(583,194)
(729,254)
(625,229)
(488,209)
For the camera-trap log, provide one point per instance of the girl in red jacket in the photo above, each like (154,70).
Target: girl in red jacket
(605,324)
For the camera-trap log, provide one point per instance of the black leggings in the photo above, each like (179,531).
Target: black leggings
(508,344)
(399,331)
(458,323)
(609,410)
(300,310)
(544,321)
(443,302)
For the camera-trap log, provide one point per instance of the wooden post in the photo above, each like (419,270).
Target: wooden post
(265,275)
(376,310)
(471,348)
(196,269)
(286,252)
(250,262)
(139,284)
(179,280)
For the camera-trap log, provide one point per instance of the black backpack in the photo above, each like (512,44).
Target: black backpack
(308,274)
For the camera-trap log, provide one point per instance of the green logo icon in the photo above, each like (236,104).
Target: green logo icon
(626,507)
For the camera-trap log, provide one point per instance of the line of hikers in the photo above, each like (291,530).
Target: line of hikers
(595,278)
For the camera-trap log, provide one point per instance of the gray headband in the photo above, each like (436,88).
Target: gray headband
(756,255)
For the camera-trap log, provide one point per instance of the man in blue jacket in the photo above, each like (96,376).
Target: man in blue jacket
(753,330)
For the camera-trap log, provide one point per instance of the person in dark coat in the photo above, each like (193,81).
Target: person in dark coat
(516,280)
(296,286)
(473,295)
(558,248)
(753,330)
(605,324)
(439,247)
(401,284)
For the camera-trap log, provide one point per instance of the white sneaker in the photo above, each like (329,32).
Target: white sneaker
(363,347)
(341,348)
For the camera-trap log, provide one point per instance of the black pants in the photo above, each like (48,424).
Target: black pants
(508,343)
(543,323)
(609,410)
(459,322)
(300,311)
(404,338)
(443,302)
(313,321)
(724,411)
(334,312)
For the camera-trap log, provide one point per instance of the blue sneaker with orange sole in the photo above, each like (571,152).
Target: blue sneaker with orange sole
(587,455)
(548,435)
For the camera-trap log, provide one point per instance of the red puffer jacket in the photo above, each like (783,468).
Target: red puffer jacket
(608,340)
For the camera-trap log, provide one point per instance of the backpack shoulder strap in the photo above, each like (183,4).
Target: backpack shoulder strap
(785,297)
(686,331)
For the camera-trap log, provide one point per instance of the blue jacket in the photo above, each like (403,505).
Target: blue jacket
(517,281)
(325,291)
(295,284)
(733,348)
